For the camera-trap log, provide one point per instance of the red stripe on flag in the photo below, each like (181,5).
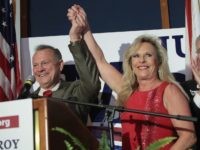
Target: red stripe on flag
(2,94)
(18,80)
(4,64)
(189,22)
(117,133)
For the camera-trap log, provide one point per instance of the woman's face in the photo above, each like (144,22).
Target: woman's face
(145,62)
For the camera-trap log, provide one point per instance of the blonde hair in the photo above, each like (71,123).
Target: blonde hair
(130,83)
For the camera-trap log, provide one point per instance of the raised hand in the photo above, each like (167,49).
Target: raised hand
(195,64)
(81,19)
(76,29)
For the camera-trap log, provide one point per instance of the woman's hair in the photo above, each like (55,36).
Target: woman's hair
(130,83)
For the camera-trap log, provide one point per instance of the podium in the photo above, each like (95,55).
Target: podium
(48,114)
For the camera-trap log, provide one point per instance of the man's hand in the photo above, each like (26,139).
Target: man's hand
(76,29)
(78,18)
(195,63)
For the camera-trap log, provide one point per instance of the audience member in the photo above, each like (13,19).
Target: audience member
(192,88)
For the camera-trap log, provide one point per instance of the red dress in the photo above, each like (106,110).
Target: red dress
(141,130)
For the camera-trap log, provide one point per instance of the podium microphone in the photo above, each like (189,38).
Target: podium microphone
(25,91)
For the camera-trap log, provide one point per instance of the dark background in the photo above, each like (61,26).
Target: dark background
(48,17)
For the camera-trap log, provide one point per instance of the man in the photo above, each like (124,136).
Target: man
(48,64)
(192,88)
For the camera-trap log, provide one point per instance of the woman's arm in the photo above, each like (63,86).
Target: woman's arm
(108,73)
(177,104)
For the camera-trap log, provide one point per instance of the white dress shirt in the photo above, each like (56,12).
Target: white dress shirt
(196,99)
(53,89)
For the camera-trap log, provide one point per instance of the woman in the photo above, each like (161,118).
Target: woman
(146,84)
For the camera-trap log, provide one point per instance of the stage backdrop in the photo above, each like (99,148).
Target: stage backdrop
(113,44)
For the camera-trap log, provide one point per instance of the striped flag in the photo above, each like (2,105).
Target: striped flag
(192,24)
(10,81)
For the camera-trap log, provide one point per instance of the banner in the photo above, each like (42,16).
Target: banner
(16,125)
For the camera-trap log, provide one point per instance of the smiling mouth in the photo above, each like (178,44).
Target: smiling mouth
(41,76)
(143,67)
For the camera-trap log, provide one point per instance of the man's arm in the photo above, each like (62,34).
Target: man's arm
(89,83)
(87,70)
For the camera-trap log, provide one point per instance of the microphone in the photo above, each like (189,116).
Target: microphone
(25,91)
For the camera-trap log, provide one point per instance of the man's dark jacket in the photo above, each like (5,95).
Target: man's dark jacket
(190,87)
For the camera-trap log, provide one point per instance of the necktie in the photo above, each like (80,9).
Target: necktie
(47,93)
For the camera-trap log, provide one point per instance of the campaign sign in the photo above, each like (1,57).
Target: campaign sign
(16,125)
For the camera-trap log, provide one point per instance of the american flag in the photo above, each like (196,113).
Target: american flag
(10,81)
(192,23)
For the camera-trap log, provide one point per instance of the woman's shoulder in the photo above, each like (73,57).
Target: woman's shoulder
(173,95)
(163,85)
(174,90)
(173,86)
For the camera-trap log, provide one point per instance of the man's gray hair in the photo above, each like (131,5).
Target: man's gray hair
(56,51)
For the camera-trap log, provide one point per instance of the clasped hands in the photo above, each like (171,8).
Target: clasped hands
(78,19)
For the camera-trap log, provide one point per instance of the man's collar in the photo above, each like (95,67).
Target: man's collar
(53,89)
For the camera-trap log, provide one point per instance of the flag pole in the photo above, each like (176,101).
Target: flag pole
(164,14)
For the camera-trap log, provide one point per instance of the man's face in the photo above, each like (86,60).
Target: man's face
(46,68)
